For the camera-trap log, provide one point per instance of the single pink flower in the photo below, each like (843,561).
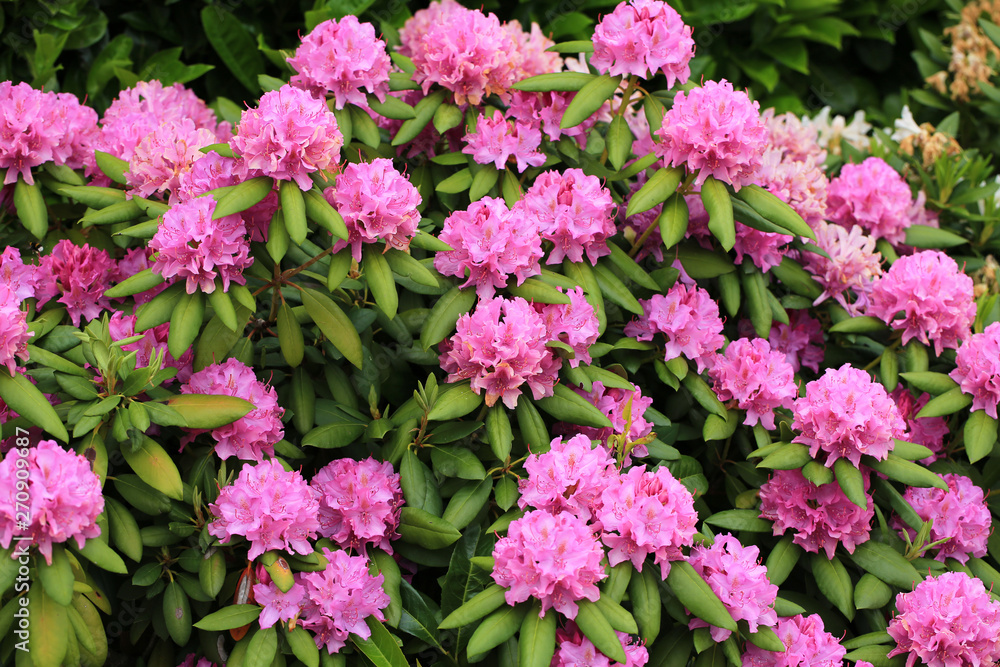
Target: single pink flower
(758,378)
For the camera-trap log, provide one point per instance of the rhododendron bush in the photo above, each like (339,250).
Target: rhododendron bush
(462,346)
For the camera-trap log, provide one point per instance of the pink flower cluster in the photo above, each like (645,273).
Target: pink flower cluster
(687,317)
(463,50)
(574,323)
(947,621)
(532,55)
(648,512)
(359,503)
(38,127)
(554,558)
(338,599)
(288,135)
(758,378)
(873,196)
(806,643)
(378,204)
(277,606)
(20,278)
(641,38)
(499,347)
(270,507)
(14,334)
(822,516)
(491,244)
(615,403)
(192,246)
(193,660)
(764,249)
(545,111)
(715,130)
(846,414)
(977,369)
(736,575)
(797,141)
(342,57)
(573,649)
(799,183)
(496,140)
(253,435)
(163,157)
(853,264)
(152,343)
(960,515)
(64,497)
(573,212)
(80,275)
(801,340)
(927,431)
(934,296)
(570,477)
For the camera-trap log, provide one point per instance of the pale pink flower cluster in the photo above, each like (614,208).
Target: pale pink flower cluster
(647,513)
(807,644)
(491,244)
(574,323)
(253,435)
(847,415)
(499,347)
(63,502)
(736,575)
(570,477)
(758,378)
(153,341)
(573,649)
(801,340)
(339,598)
(797,141)
(574,212)
(977,369)
(853,265)
(532,56)
(960,515)
(615,403)
(799,183)
(927,431)
(822,516)
(342,57)
(642,38)
(269,506)
(554,558)
(288,135)
(495,140)
(14,334)
(873,196)
(715,130)
(38,127)
(80,275)
(463,50)
(934,296)
(192,246)
(20,278)
(687,317)
(378,204)
(947,621)
(163,157)
(359,503)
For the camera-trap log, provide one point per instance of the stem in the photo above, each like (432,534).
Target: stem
(290,273)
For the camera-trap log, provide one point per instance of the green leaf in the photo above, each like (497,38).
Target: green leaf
(244,195)
(334,324)
(424,529)
(719,206)
(695,594)
(947,403)
(25,399)
(630,268)
(424,112)
(496,628)
(101,555)
(380,647)
(290,335)
(747,520)
(701,263)
(907,472)
(392,107)
(774,210)
(456,461)
(871,593)
(112,166)
(406,266)
(568,406)
(555,81)
(49,628)
(647,608)
(536,642)
(851,482)
(185,323)
(124,529)
(465,505)
(302,644)
(364,127)
(140,282)
(618,142)
(782,560)
(796,279)
(598,630)
(57,578)
(155,467)
(333,436)
(704,395)
(378,275)
(475,608)
(209,410)
(534,289)
(615,290)
(656,190)
(498,430)
(232,616)
(455,401)
(934,384)
(293,209)
(887,564)
(922,236)
(320,211)
(789,456)
(860,324)
(588,100)
(441,320)
(30,207)
(159,310)
(532,427)
(234,45)
(980,435)
(834,582)
(262,648)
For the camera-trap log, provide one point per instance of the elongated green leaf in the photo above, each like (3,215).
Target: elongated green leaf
(234,45)
(334,324)
(303,646)
(860,324)
(441,320)
(773,209)
(290,336)
(31,209)
(379,278)
(101,555)
(933,383)
(887,564)
(695,594)
(560,81)
(380,647)
(782,559)
(243,195)
(50,628)
(319,210)
(834,582)
(704,395)
(851,482)
(871,592)
(589,99)
(787,457)
(423,113)
(209,411)
(656,190)
(499,431)
(155,467)
(424,529)
(332,436)
(233,616)
(475,608)
(185,323)
(615,290)
(922,236)
(392,107)
(907,472)
(630,268)
(980,435)
(496,628)
(647,608)
(740,520)
(719,206)
(140,282)
(598,630)
(24,398)
(406,266)
(619,142)
(57,578)
(536,643)
(947,403)
(534,289)
(566,405)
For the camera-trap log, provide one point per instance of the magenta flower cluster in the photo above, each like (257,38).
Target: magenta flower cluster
(927,431)
(934,296)
(344,58)
(960,516)
(689,319)
(847,415)
(570,477)
(624,408)
(801,340)
(573,649)
(162,158)
(574,324)
(378,204)
(736,575)
(359,503)
(806,643)
(269,506)
(642,38)
(947,621)
(977,369)
(716,131)
(79,274)
(873,196)
(253,435)
(63,503)
(822,516)
(756,377)
(495,140)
